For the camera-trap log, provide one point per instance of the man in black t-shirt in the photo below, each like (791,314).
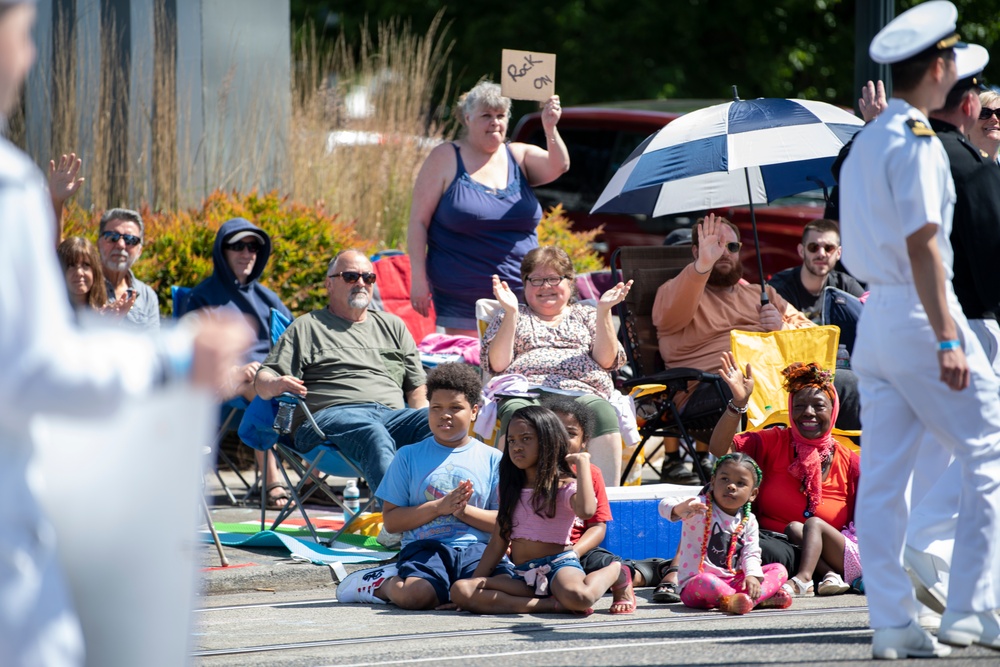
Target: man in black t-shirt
(802,286)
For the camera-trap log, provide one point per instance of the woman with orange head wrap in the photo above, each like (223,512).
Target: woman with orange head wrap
(812,479)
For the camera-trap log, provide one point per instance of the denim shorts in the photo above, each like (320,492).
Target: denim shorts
(539,572)
(441,565)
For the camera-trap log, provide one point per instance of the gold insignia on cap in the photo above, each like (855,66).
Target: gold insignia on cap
(947,42)
(920,128)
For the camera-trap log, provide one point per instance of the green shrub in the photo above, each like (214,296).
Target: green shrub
(178,246)
(555,229)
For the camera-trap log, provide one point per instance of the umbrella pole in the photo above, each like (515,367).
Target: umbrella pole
(764,300)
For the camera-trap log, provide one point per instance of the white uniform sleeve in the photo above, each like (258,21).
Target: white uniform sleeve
(48,364)
(918,196)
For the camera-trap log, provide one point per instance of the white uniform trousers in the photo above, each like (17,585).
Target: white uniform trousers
(903,399)
(937,479)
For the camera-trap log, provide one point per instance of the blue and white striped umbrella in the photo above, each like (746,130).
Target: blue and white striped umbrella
(697,162)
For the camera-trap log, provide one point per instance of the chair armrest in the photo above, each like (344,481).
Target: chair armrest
(673,376)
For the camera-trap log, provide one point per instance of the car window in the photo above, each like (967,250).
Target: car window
(590,153)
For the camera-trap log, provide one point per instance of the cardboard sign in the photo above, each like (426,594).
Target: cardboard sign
(528,75)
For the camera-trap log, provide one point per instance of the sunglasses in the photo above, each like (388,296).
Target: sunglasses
(734,246)
(112,237)
(551,281)
(987,113)
(351,277)
(814,247)
(240,246)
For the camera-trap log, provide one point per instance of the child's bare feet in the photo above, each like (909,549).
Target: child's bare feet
(782,599)
(738,603)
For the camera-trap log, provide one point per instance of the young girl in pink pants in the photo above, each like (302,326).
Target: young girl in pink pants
(719,558)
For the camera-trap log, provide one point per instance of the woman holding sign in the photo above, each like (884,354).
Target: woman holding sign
(474,213)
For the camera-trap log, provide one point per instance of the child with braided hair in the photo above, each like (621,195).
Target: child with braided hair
(719,556)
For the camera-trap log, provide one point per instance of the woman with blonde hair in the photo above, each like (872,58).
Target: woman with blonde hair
(474,213)
(985,134)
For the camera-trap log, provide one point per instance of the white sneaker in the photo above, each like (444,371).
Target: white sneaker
(929,576)
(910,641)
(929,619)
(360,585)
(964,629)
(832,584)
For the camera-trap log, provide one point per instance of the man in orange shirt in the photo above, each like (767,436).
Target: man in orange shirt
(695,312)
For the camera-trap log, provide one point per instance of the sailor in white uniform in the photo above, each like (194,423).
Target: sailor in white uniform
(920,367)
(49,366)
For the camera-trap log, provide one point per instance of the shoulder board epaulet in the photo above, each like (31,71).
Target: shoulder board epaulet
(920,128)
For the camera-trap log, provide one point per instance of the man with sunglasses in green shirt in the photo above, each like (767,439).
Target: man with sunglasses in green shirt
(358,369)
(802,286)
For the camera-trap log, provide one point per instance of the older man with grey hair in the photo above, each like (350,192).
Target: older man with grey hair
(358,369)
(119,241)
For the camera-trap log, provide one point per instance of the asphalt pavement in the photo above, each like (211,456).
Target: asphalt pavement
(267,609)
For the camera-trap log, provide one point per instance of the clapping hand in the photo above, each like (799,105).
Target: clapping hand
(711,245)
(740,383)
(615,295)
(457,499)
(120,306)
(504,294)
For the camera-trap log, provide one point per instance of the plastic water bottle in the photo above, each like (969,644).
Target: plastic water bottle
(352,499)
(843,357)
(283,420)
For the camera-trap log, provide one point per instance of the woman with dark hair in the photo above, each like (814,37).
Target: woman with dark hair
(812,480)
(81,264)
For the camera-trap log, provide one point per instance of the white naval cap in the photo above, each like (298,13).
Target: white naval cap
(928,25)
(971,61)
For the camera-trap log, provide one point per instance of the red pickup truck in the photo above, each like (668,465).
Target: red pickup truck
(600,139)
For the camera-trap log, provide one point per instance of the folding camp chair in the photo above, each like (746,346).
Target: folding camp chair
(261,430)
(652,387)
(230,411)
(768,353)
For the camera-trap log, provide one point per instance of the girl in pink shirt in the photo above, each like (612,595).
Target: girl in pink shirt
(540,499)
(719,557)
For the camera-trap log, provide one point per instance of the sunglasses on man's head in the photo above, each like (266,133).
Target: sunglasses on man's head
(987,112)
(814,247)
(351,277)
(240,246)
(112,237)
(734,246)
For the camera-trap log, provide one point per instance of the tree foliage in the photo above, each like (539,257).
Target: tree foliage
(612,50)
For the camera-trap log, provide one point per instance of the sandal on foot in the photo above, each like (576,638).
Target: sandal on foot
(798,588)
(832,584)
(738,604)
(781,599)
(280,500)
(627,604)
(666,592)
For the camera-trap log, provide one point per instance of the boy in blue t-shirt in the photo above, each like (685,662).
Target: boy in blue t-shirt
(441,494)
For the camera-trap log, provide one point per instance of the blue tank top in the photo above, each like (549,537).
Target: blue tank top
(477,231)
